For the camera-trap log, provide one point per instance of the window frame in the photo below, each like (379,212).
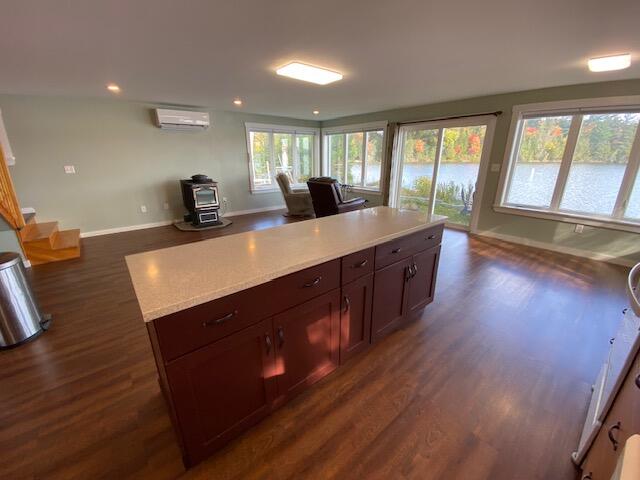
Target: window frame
(577,109)
(363,128)
(272,129)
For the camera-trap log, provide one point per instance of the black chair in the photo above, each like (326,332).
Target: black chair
(327,197)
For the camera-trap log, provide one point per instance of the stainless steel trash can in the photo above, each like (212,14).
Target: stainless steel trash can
(20,317)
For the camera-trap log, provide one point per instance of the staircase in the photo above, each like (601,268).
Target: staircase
(44,243)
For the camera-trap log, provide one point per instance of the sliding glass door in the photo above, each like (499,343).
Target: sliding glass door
(437,165)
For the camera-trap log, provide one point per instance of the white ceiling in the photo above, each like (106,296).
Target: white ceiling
(392,53)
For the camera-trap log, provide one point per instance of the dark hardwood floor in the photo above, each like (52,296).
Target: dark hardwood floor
(491,383)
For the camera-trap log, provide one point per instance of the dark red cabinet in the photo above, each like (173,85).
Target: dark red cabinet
(307,343)
(423,279)
(355,317)
(222,389)
(389,298)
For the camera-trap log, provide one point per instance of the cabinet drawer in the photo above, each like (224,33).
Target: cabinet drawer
(403,247)
(185,331)
(306,284)
(357,265)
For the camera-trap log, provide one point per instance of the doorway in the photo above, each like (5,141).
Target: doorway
(440,167)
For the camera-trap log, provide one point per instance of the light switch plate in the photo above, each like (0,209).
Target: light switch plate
(579,228)
(69,169)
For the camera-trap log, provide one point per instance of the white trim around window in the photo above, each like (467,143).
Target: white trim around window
(357,128)
(577,110)
(270,185)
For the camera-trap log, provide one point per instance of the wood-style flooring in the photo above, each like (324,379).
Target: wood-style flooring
(491,383)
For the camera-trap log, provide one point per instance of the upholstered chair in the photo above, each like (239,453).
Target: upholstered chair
(327,197)
(298,201)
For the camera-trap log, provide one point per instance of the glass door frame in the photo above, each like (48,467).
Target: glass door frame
(397,165)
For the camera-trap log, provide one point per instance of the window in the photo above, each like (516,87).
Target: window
(277,149)
(353,154)
(575,162)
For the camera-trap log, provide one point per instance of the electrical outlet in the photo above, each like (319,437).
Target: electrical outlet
(143,208)
(224,199)
(578,228)
(495,167)
(166,205)
(69,169)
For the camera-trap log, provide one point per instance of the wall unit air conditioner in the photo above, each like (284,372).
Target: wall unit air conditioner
(181,119)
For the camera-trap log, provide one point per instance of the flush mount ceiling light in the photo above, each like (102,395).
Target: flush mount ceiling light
(610,62)
(309,73)
(316,112)
(237,102)
(113,88)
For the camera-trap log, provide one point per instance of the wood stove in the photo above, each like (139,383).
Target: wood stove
(200,197)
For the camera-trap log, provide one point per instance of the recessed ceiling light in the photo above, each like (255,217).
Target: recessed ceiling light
(237,102)
(113,88)
(608,63)
(309,73)
(316,112)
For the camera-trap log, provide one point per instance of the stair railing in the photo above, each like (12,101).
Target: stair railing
(9,206)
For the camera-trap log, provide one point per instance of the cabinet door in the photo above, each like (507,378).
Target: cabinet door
(355,317)
(221,389)
(390,289)
(307,341)
(423,280)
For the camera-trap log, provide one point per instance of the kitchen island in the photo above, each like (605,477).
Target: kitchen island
(242,323)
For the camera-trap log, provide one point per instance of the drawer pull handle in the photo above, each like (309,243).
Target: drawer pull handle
(431,237)
(314,283)
(638,380)
(409,274)
(359,264)
(396,250)
(280,337)
(267,341)
(587,477)
(415,270)
(612,439)
(218,321)
(347,304)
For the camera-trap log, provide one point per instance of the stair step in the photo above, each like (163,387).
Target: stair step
(34,232)
(67,239)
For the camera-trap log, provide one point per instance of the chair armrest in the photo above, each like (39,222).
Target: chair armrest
(355,201)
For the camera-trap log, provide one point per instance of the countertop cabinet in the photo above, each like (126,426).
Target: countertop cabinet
(225,364)
(307,343)
(355,317)
(223,388)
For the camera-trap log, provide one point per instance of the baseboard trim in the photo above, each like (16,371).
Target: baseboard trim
(601,257)
(254,210)
(130,228)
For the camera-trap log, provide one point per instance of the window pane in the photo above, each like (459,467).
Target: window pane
(304,163)
(354,158)
(374,158)
(599,162)
(283,153)
(418,157)
(542,144)
(336,156)
(260,153)
(458,172)
(633,206)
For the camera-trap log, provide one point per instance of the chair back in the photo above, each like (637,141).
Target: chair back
(325,195)
(283,183)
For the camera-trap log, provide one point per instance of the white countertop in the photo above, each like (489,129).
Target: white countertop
(173,279)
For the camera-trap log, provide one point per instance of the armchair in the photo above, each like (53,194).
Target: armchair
(327,198)
(298,201)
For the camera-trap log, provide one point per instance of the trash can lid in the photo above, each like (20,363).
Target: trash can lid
(9,259)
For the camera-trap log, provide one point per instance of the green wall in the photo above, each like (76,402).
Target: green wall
(596,241)
(122,160)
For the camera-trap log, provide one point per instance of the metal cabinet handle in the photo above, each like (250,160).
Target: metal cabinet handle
(280,336)
(314,283)
(218,321)
(431,237)
(612,439)
(396,250)
(588,476)
(347,304)
(415,270)
(638,380)
(407,273)
(267,341)
(359,264)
